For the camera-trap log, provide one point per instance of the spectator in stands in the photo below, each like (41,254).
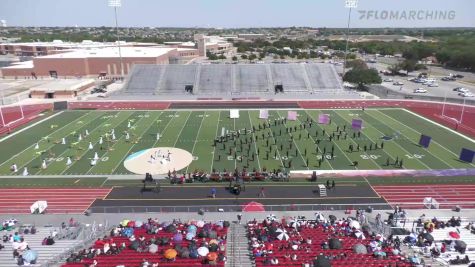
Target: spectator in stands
(294,257)
(274,261)
(16,237)
(54,233)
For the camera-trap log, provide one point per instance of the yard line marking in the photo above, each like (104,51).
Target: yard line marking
(313,140)
(133,145)
(95,143)
(255,143)
(68,149)
(164,129)
(276,149)
(336,112)
(77,181)
(118,140)
(214,149)
(343,152)
(178,136)
(197,135)
(435,155)
(14,156)
(32,125)
(235,160)
(366,152)
(293,141)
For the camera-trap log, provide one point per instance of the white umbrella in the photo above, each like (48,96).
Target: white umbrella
(373,244)
(294,224)
(271,217)
(355,224)
(203,251)
(283,236)
(360,235)
(200,223)
(319,217)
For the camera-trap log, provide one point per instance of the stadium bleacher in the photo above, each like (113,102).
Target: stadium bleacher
(231,79)
(64,241)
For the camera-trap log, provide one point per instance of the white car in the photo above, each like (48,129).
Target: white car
(420,90)
(461,90)
(433,85)
(466,94)
(388,80)
(398,83)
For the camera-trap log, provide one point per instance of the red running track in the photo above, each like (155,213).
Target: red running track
(412,196)
(60,200)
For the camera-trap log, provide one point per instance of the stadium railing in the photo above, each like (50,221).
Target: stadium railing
(284,207)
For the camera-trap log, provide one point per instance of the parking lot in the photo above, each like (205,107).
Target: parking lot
(444,88)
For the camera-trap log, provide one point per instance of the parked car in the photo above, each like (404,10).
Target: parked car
(420,90)
(460,89)
(466,94)
(398,83)
(433,85)
(388,80)
(447,79)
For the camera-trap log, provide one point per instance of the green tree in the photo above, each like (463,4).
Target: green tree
(356,64)
(252,57)
(394,68)
(234,58)
(222,56)
(211,56)
(244,56)
(408,65)
(362,77)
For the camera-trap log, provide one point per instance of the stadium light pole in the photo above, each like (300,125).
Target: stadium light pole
(348,4)
(115,4)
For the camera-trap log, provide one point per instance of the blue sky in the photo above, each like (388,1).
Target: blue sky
(231,13)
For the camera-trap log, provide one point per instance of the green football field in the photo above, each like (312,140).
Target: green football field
(304,148)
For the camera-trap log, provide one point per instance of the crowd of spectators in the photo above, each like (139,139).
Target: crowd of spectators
(153,243)
(306,242)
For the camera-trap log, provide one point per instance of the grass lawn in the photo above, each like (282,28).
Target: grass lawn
(195,131)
